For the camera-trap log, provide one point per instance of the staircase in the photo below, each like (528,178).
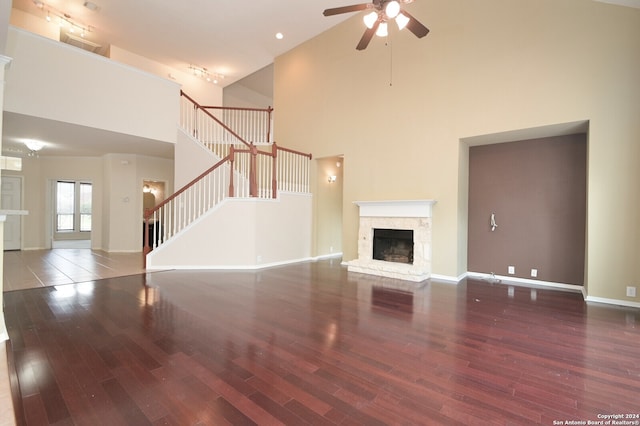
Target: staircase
(247,164)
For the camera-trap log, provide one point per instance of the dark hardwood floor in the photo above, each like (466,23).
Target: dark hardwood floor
(313,344)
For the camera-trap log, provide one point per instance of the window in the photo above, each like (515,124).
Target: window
(85,207)
(11,163)
(73,206)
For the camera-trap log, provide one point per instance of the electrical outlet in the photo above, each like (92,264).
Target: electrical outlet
(258,258)
(631,292)
(534,273)
(511,270)
(331,249)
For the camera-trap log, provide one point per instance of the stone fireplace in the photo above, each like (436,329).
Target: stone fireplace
(400,231)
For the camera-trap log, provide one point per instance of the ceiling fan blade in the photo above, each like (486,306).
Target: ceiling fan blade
(415,26)
(346,9)
(367,36)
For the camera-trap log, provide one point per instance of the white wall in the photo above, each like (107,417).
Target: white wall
(193,154)
(242,233)
(117,224)
(5,9)
(237,95)
(205,93)
(38,175)
(4,61)
(34,24)
(200,90)
(56,81)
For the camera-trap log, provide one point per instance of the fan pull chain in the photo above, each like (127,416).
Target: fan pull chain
(390,45)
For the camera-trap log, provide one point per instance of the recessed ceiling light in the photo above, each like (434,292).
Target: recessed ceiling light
(279,36)
(91,6)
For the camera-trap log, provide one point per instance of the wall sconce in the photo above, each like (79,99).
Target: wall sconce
(332,179)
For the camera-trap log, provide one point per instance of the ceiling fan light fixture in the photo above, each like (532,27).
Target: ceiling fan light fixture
(402,21)
(376,17)
(392,9)
(370,19)
(382,30)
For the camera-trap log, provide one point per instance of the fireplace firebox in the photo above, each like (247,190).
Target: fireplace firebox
(393,245)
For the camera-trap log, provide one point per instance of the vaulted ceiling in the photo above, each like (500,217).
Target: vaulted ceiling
(231,37)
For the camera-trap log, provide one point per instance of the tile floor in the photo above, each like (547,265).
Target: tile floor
(41,268)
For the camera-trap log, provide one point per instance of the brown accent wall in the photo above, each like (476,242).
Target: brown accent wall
(537,190)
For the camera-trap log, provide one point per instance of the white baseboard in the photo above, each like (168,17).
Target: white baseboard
(527,282)
(328,256)
(4,335)
(71,244)
(447,278)
(227,267)
(617,302)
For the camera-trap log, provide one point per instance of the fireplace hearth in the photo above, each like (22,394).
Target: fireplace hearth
(403,241)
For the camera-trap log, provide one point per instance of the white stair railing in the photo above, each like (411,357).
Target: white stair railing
(188,204)
(251,124)
(243,171)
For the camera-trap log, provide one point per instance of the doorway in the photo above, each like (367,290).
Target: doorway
(12,200)
(328,206)
(153,194)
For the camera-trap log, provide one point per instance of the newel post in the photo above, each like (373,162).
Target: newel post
(274,171)
(146,247)
(253,183)
(195,121)
(231,159)
(269,111)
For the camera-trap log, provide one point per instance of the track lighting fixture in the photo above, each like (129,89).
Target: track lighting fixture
(64,19)
(204,74)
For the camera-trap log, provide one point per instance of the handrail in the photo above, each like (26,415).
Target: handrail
(252,172)
(252,124)
(268,109)
(193,181)
(224,126)
(293,151)
(168,222)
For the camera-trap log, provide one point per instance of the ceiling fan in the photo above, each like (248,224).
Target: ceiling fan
(376,21)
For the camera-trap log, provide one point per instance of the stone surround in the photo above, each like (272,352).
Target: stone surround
(404,214)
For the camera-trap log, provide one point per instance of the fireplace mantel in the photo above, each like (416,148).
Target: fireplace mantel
(396,208)
(412,215)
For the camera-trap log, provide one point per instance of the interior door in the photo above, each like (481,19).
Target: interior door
(12,200)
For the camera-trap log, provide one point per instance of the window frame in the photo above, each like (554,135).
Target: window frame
(78,210)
